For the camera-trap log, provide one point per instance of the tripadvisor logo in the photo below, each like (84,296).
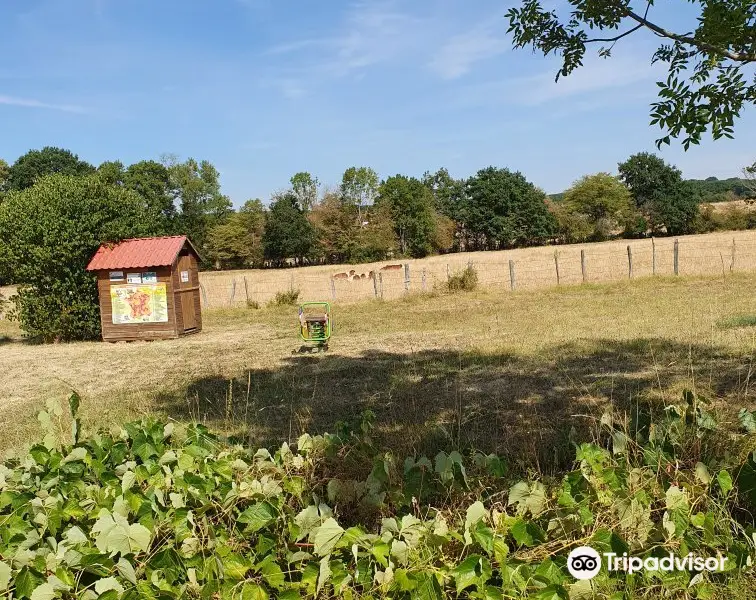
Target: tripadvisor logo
(585,563)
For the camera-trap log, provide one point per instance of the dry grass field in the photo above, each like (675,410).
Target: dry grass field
(503,371)
(535,268)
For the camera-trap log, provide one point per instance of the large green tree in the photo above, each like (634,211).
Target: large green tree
(710,77)
(197,190)
(412,209)
(359,187)
(237,242)
(659,192)
(503,209)
(152,181)
(48,233)
(603,200)
(288,233)
(50,160)
(4,173)
(305,188)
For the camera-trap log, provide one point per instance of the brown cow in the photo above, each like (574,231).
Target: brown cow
(341,276)
(391,268)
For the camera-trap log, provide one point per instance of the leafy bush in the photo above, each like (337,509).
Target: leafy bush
(253,304)
(164,511)
(48,233)
(463,281)
(285,298)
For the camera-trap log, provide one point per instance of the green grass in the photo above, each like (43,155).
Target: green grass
(738,322)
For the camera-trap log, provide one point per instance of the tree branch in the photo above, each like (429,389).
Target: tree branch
(615,39)
(736,56)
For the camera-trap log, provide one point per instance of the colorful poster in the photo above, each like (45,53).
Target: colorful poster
(139,304)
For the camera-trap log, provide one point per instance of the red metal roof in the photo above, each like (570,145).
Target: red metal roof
(141,252)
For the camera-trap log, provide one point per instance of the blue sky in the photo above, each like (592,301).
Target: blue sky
(266,88)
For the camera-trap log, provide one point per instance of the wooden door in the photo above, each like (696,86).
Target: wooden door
(186,291)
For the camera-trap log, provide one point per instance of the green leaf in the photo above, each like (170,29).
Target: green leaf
(5,576)
(326,537)
(528,497)
(702,473)
(235,566)
(114,534)
(307,520)
(252,591)
(26,581)
(107,584)
(725,481)
(475,512)
(747,420)
(257,516)
(43,592)
(465,574)
(273,575)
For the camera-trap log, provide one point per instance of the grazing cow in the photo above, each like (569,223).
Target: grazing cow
(341,276)
(391,268)
(371,275)
(363,276)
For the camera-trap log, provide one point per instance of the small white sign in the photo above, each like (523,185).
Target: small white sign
(133,278)
(149,277)
(116,276)
(184,276)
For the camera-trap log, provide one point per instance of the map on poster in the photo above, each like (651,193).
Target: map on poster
(139,304)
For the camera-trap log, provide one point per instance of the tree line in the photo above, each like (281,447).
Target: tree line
(55,210)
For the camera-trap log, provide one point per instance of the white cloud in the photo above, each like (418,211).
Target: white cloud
(31,103)
(457,56)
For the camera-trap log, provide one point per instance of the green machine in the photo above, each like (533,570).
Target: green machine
(315,325)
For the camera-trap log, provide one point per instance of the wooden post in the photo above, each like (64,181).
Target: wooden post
(629,262)
(333,289)
(448,273)
(653,256)
(556,264)
(677,257)
(512,275)
(375,283)
(732,258)
(423,279)
(380,281)
(246,289)
(233,292)
(406,277)
(204,295)
(582,265)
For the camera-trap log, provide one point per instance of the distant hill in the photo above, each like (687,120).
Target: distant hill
(711,188)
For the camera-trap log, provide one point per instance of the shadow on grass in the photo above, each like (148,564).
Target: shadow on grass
(524,408)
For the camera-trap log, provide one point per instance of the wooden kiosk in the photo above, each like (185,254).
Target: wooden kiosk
(149,288)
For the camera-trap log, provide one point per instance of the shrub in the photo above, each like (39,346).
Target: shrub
(164,511)
(253,304)
(286,298)
(49,232)
(463,281)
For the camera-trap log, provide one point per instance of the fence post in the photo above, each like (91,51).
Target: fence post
(556,264)
(653,256)
(512,275)
(380,281)
(406,277)
(629,262)
(333,289)
(233,291)
(677,257)
(246,289)
(732,259)
(204,294)
(448,274)
(375,284)
(423,279)
(582,265)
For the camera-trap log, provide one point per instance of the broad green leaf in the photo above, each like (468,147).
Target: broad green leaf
(528,497)
(114,534)
(257,516)
(5,576)
(126,570)
(107,584)
(324,575)
(43,592)
(307,520)
(702,473)
(725,481)
(252,591)
(475,512)
(273,575)
(128,479)
(326,537)
(235,566)
(747,420)
(465,574)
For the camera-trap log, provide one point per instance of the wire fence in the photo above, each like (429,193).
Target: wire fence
(519,269)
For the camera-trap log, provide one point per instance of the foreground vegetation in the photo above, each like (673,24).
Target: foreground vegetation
(158,511)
